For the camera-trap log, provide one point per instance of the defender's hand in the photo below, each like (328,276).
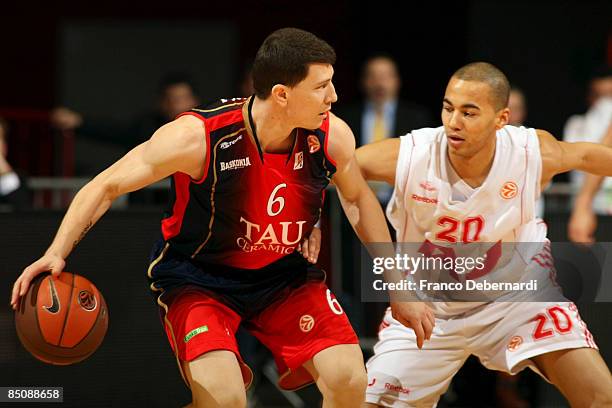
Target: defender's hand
(309,248)
(417,316)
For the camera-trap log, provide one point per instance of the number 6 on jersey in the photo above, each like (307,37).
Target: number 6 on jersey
(278,200)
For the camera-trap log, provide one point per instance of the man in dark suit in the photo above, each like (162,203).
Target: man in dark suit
(382,114)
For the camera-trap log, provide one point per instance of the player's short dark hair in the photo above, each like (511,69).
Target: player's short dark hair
(284,57)
(490,75)
(176,78)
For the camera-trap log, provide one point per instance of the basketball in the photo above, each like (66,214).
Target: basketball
(61,320)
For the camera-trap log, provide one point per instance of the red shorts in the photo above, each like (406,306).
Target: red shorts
(296,328)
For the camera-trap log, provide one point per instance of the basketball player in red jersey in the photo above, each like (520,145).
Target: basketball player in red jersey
(248,184)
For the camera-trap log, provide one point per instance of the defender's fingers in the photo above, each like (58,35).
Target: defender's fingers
(314,245)
(304,248)
(420,333)
(427,329)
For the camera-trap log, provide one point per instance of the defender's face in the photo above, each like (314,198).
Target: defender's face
(310,100)
(469,116)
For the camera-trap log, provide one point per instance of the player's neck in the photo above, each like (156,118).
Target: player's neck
(274,131)
(473,170)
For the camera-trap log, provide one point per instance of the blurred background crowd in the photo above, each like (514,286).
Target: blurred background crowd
(81,85)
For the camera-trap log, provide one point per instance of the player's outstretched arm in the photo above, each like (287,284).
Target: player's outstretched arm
(176,147)
(560,157)
(583,222)
(378,161)
(358,200)
(366,216)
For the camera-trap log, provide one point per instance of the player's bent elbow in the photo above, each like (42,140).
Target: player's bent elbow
(111,191)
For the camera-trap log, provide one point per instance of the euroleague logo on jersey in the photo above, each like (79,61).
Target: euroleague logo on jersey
(313,144)
(508,190)
(515,343)
(306,323)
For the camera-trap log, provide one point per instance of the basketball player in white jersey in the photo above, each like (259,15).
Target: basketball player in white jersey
(478,179)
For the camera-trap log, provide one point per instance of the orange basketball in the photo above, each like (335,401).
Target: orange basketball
(61,321)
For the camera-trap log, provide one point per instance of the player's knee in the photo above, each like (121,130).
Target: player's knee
(220,398)
(232,399)
(347,383)
(218,392)
(602,398)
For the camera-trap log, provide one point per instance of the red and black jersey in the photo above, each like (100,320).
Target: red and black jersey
(250,208)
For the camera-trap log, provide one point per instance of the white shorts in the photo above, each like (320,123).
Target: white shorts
(504,336)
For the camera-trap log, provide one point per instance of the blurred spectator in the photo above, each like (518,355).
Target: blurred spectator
(590,127)
(106,140)
(518,107)
(583,221)
(176,94)
(246,88)
(517,103)
(14,193)
(382,114)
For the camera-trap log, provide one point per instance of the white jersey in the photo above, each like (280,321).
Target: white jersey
(430,203)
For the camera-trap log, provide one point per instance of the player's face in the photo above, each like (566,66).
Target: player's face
(309,100)
(469,117)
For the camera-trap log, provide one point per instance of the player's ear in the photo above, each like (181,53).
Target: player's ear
(279,94)
(501,119)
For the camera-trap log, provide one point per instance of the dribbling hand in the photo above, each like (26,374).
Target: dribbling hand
(417,316)
(48,262)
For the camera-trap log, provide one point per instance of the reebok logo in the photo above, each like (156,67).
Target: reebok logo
(397,388)
(424,199)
